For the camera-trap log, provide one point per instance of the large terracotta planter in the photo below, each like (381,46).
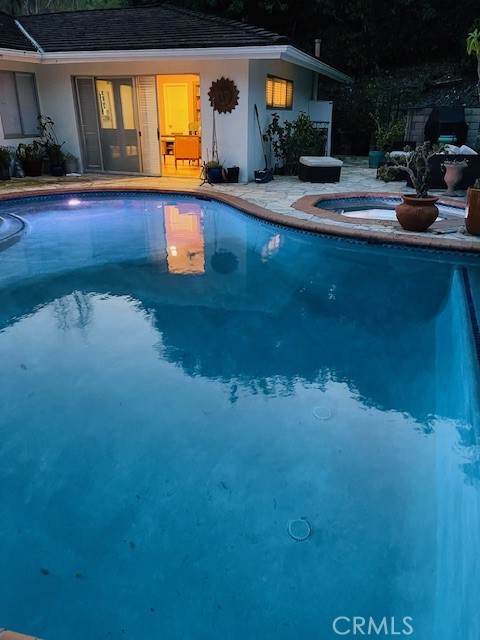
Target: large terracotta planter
(416,214)
(472,211)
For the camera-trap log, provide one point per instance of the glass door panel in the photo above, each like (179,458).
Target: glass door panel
(118,131)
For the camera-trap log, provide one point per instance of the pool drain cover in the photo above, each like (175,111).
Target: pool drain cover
(322,413)
(299,529)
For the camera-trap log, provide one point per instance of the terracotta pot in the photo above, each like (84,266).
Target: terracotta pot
(472,211)
(416,214)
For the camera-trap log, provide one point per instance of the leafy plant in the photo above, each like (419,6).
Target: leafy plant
(473,47)
(32,151)
(68,156)
(290,140)
(51,146)
(212,164)
(415,163)
(388,133)
(388,173)
(5,157)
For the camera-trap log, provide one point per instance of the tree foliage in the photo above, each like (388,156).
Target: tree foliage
(358,36)
(30,7)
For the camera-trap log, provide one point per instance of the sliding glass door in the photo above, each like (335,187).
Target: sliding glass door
(119,124)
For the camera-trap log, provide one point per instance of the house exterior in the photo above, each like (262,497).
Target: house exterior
(121,84)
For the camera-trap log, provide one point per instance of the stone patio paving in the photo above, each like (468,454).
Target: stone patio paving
(278,196)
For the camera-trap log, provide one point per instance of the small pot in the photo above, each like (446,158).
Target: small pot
(232,174)
(374,157)
(4,172)
(57,169)
(70,166)
(416,214)
(215,174)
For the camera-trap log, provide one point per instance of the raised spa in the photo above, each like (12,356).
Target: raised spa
(380,208)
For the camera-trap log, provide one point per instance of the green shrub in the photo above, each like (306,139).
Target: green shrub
(290,140)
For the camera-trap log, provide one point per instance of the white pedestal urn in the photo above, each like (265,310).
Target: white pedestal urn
(453,174)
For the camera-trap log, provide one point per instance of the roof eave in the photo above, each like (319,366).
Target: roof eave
(125,55)
(19,55)
(282,52)
(295,56)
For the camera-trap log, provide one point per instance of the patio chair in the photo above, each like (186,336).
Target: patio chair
(187,148)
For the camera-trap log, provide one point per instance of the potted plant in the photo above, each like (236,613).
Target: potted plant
(31,157)
(472,209)
(292,139)
(385,136)
(5,159)
(51,146)
(70,162)
(214,171)
(453,174)
(418,212)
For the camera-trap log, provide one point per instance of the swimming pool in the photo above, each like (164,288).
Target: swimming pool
(182,386)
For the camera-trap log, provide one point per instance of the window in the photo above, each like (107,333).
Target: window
(279,93)
(18,104)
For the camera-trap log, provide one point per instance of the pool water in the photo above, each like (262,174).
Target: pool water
(214,427)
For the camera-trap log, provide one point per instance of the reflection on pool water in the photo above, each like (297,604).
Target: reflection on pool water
(180,383)
(379,207)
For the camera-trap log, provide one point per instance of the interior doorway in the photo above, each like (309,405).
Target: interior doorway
(141,124)
(180,124)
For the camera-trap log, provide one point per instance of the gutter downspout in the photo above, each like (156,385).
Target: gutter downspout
(315,75)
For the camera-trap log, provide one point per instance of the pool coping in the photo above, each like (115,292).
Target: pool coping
(307,216)
(438,236)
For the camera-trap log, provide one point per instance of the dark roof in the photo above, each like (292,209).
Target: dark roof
(11,37)
(161,27)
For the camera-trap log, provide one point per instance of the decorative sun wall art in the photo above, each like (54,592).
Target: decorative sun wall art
(223,95)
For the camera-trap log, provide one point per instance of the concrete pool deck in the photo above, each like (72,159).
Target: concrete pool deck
(284,200)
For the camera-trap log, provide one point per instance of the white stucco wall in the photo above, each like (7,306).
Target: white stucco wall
(237,132)
(57,99)
(302,93)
